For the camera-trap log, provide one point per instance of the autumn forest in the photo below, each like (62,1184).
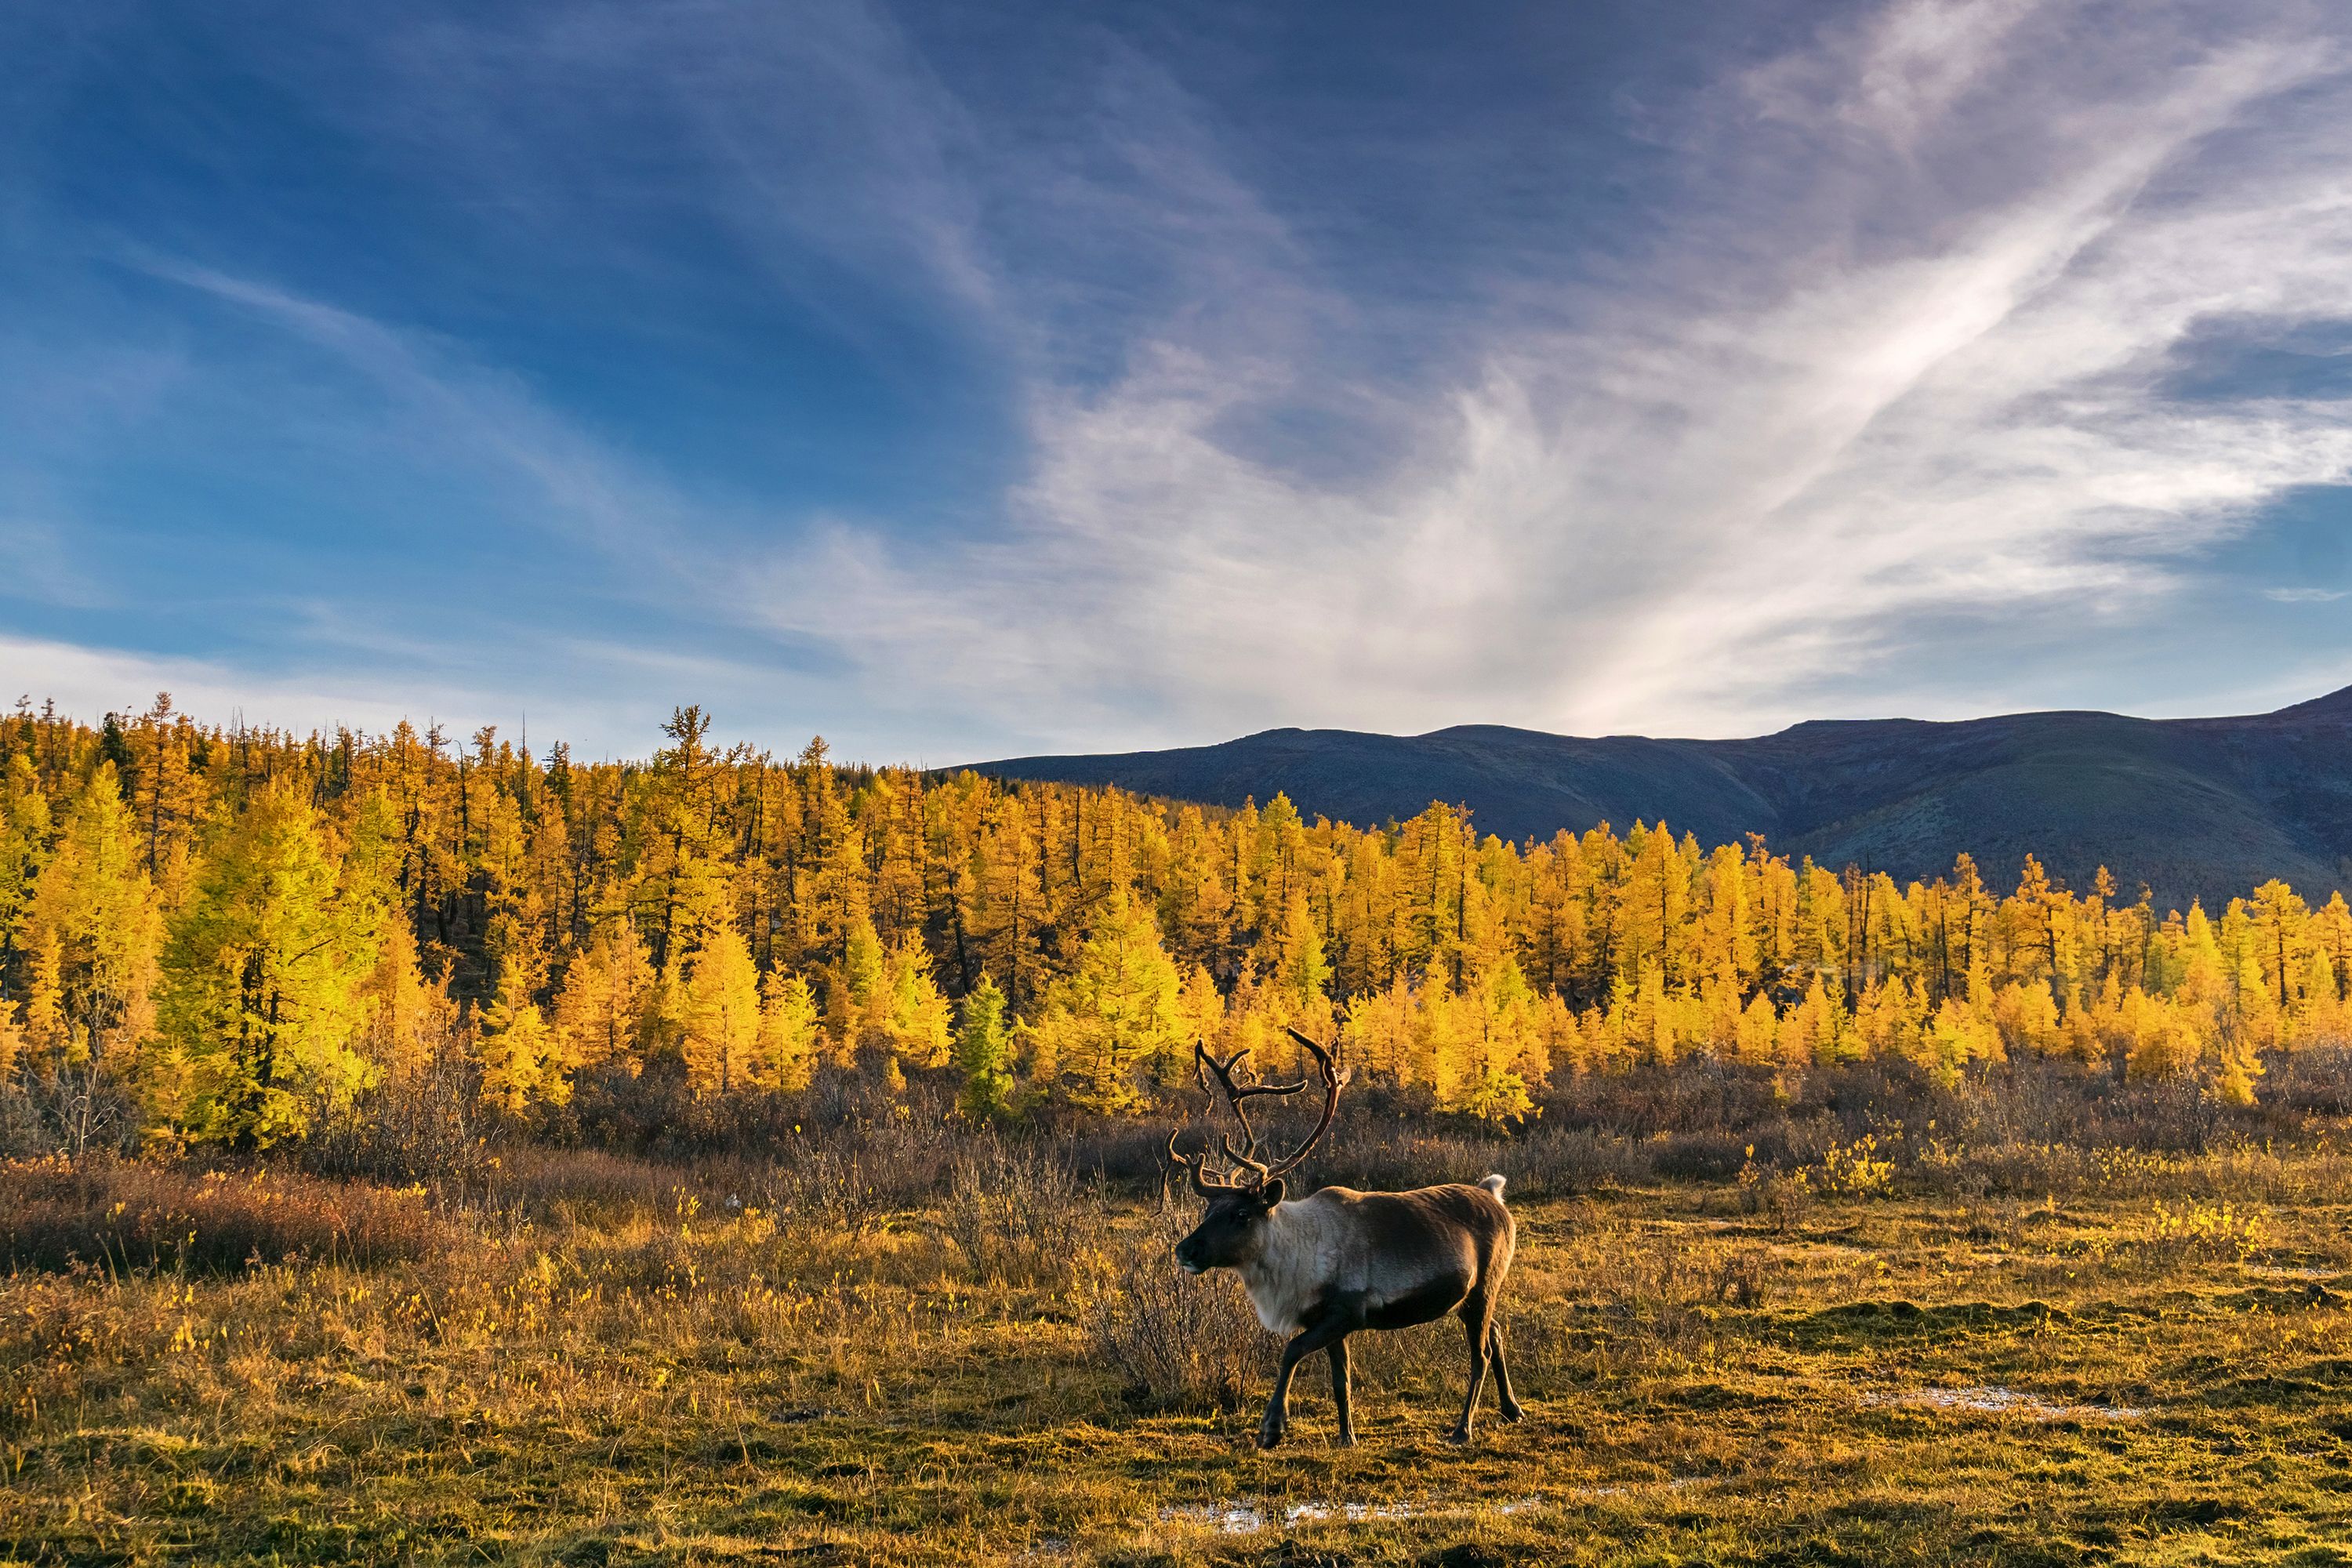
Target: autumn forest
(249,931)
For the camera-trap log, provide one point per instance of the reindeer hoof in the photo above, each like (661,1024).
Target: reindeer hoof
(1346,1439)
(1267,1437)
(1513,1413)
(1459,1437)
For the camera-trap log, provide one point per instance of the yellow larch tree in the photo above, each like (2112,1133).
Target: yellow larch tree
(94,904)
(260,1020)
(514,1047)
(1116,1011)
(720,1042)
(916,1018)
(600,1010)
(791,1033)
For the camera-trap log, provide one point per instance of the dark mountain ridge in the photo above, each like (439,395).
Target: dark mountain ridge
(2191,807)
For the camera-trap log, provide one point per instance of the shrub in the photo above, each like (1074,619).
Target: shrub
(856,1167)
(2203,1230)
(1016,1211)
(591,1184)
(1782,1198)
(426,1129)
(55,1213)
(1701,1156)
(73,1111)
(1179,1339)
(1854,1170)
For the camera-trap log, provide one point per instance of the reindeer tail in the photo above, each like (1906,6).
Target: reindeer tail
(1493,1184)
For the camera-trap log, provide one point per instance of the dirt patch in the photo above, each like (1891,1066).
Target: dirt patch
(2009,1402)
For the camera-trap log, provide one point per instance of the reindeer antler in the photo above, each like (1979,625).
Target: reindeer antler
(1237,1096)
(1333,1081)
(1195,1165)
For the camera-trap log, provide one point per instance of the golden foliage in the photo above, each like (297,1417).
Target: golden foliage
(245,926)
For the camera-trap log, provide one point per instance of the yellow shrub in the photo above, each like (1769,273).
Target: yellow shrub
(1856,1170)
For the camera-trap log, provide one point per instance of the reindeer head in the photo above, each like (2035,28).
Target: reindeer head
(1242,1195)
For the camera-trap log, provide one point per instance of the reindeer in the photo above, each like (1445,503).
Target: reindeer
(1323,1267)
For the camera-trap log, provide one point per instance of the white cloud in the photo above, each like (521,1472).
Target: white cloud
(1897,73)
(2304,596)
(87,682)
(1775,479)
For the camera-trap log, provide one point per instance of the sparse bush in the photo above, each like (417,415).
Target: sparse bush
(2202,1230)
(1180,1341)
(1741,1279)
(1716,1156)
(1856,1170)
(593,1185)
(428,1129)
(1016,1211)
(1781,1197)
(75,1110)
(1379,1151)
(861,1155)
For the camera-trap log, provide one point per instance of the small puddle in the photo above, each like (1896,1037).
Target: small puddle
(2283,1271)
(1249,1518)
(2003,1402)
(1245,1518)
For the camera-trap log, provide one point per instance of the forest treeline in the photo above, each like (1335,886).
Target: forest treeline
(242,932)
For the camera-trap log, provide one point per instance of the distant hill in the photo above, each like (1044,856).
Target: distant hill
(2203,807)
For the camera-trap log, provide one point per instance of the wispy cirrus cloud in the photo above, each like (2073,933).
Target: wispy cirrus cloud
(1823,467)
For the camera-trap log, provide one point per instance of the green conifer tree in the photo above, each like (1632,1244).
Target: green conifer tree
(983,1048)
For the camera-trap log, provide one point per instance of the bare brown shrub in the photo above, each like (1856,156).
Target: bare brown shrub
(593,1185)
(1180,1341)
(1017,1211)
(73,1110)
(430,1128)
(864,1156)
(126,1215)
(1743,1278)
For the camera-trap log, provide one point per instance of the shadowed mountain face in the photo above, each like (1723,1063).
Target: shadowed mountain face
(2192,807)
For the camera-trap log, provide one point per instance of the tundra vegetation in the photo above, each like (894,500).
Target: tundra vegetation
(1908,1327)
(417,1154)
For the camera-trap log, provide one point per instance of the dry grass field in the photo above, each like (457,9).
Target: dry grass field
(596,1362)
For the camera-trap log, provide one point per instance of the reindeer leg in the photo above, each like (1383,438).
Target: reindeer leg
(1476,1319)
(1327,1330)
(1339,1353)
(1510,1407)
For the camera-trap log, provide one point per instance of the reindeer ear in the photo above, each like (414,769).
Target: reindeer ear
(1271,1194)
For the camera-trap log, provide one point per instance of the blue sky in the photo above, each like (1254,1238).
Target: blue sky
(965,379)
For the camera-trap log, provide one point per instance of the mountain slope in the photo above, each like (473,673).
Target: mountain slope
(2193,807)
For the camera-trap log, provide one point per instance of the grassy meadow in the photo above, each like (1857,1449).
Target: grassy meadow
(1889,1350)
